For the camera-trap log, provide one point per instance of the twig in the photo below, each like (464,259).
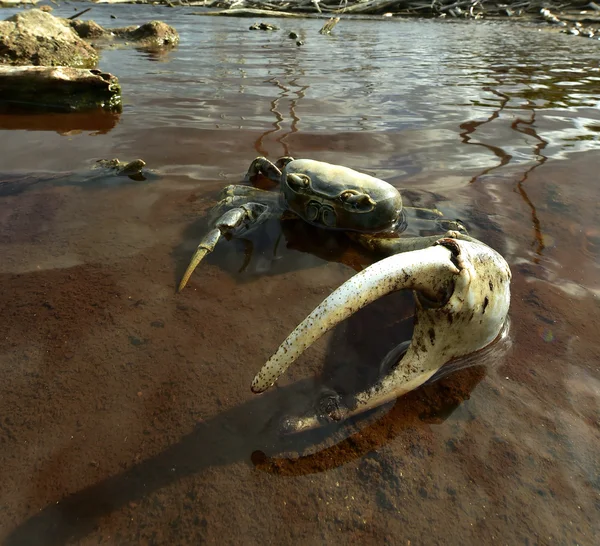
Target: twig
(78,14)
(328,26)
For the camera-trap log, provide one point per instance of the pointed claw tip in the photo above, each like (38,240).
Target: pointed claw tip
(258,388)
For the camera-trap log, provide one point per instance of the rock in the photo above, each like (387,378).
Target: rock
(263,26)
(46,8)
(154,34)
(88,29)
(14,3)
(36,38)
(63,89)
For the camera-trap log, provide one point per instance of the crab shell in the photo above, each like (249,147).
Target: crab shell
(337,197)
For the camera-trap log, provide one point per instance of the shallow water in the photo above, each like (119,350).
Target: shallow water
(125,410)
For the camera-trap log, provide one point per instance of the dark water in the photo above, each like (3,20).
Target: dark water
(125,410)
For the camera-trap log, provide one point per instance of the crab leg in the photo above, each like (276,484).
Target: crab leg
(232,223)
(261,165)
(463,294)
(433,212)
(397,245)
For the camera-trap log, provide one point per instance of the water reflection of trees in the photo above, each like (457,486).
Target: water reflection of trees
(518,82)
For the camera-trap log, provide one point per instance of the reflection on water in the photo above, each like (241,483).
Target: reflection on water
(125,409)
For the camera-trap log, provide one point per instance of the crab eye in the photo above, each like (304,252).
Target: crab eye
(298,182)
(356,201)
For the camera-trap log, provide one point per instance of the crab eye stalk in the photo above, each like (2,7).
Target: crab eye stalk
(357,202)
(298,182)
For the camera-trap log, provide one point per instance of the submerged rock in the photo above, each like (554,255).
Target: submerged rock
(154,34)
(34,37)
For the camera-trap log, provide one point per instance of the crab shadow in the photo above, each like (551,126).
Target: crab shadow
(274,248)
(283,245)
(251,431)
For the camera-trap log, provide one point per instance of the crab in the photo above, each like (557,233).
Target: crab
(461,285)
(133,169)
(329,196)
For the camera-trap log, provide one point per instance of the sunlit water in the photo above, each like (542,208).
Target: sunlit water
(126,415)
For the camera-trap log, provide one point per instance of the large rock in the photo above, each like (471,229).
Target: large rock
(61,89)
(36,38)
(154,34)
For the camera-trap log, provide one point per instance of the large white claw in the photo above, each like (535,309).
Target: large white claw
(463,296)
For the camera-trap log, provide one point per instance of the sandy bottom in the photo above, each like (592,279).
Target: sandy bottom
(126,415)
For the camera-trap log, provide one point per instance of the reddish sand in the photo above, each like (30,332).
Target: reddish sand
(126,415)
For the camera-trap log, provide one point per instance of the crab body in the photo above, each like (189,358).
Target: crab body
(336,197)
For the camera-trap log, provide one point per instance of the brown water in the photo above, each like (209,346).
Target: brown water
(126,415)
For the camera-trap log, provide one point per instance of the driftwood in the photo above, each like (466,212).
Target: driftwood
(59,89)
(250,12)
(454,8)
(328,26)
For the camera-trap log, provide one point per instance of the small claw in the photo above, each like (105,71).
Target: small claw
(206,245)
(230,223)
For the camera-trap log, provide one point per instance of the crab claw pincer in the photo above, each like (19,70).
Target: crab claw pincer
(462,290)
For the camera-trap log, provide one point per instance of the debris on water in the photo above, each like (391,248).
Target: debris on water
(328,26)
(263,26)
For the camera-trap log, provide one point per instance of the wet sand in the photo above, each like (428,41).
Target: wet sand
(127,415)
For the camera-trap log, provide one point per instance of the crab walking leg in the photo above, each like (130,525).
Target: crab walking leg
(433,212)
(206,245)
(397,245)
(393,246)
(231,223)
(261,165)
(430,271)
